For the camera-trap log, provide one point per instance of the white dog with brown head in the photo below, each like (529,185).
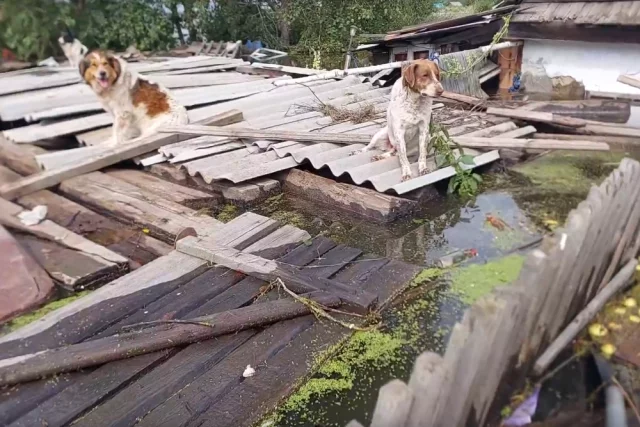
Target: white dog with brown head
(138,106)
(409,116)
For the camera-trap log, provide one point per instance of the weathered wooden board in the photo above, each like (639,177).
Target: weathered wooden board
(56,233)
(350,198)
(126,344)
(215,383)
(133,244)
(117,154)
(162,217)
(23,282)
(268,270)
(190,197)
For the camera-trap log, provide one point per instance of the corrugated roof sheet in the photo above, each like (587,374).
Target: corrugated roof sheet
(215,158)
(593,13)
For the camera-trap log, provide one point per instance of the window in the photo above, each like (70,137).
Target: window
(422,54)
(400,57)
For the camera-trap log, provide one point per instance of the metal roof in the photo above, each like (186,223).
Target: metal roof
(586,13)
(292,108)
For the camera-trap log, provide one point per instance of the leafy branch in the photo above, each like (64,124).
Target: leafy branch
(465,182)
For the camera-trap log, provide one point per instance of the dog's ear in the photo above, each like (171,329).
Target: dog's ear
(435,66)
(84,64)
(115,64)
(409,75)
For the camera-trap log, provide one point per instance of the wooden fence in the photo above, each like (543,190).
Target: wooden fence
(494,347)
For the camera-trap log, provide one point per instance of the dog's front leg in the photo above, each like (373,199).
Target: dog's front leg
(121,124)
(423,143)
(401,146)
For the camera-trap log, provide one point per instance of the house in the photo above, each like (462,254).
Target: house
(568,45)
(450,35)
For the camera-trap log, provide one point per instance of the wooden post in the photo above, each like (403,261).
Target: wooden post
(394,403)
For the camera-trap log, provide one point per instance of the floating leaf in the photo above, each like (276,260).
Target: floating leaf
(608,350)
(620,310)
(614,326)
(630,302)
(596,330)
(634,318)
(145,230)
(550,223)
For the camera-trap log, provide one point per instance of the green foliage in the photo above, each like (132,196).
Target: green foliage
(465,182)
(117,24)
(30,28)
(322,28)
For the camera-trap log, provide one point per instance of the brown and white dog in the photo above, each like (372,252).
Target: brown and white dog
(409,116)
(138,106)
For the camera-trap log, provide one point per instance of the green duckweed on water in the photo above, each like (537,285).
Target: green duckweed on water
(364,348)
(426,275)
(472,282)
(25,319)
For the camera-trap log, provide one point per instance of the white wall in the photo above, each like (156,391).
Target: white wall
(596,65)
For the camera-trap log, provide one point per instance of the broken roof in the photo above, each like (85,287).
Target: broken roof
(625,13)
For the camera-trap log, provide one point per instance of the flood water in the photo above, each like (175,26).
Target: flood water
(423,317)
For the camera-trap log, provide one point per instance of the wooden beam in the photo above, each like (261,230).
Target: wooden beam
(562,30)
(615,142)
(279,135)
(534,144)
(117,154)
(23,282)
(269,270)
(155,338)
(471,100)
(356,200)
(537,116)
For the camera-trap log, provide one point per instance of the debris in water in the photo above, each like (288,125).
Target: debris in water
(249,372)
(620,310)
(608,350)
(34,216)
(497,222)
(523,413)
(630,302)
(596,330)
(456,257)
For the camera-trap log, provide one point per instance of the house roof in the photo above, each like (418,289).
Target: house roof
(439,28)
(626,13)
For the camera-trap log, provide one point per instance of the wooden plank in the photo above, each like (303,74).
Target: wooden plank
(629,80)
(350,198)
(279,242)
(128,406)
(533,144)
(182,300)
(278,135)
(23,283)
(130,243)
(19,400)
(190,197)
(390,278)
(245,230)
(104,306)
(615,142)
(393,406)
(19,158)
(306,253)
(268,270)
(155,338)
(72,270)
(72,401)
(115,155)
(216,383)
(163,218)
(333,261)
(56,233)
(134,401)
(276,378)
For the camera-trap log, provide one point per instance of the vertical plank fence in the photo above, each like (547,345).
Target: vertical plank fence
(501,336)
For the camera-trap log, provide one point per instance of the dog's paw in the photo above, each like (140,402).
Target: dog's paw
(406,175)
(422,169)
(376,158)
(356,152)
